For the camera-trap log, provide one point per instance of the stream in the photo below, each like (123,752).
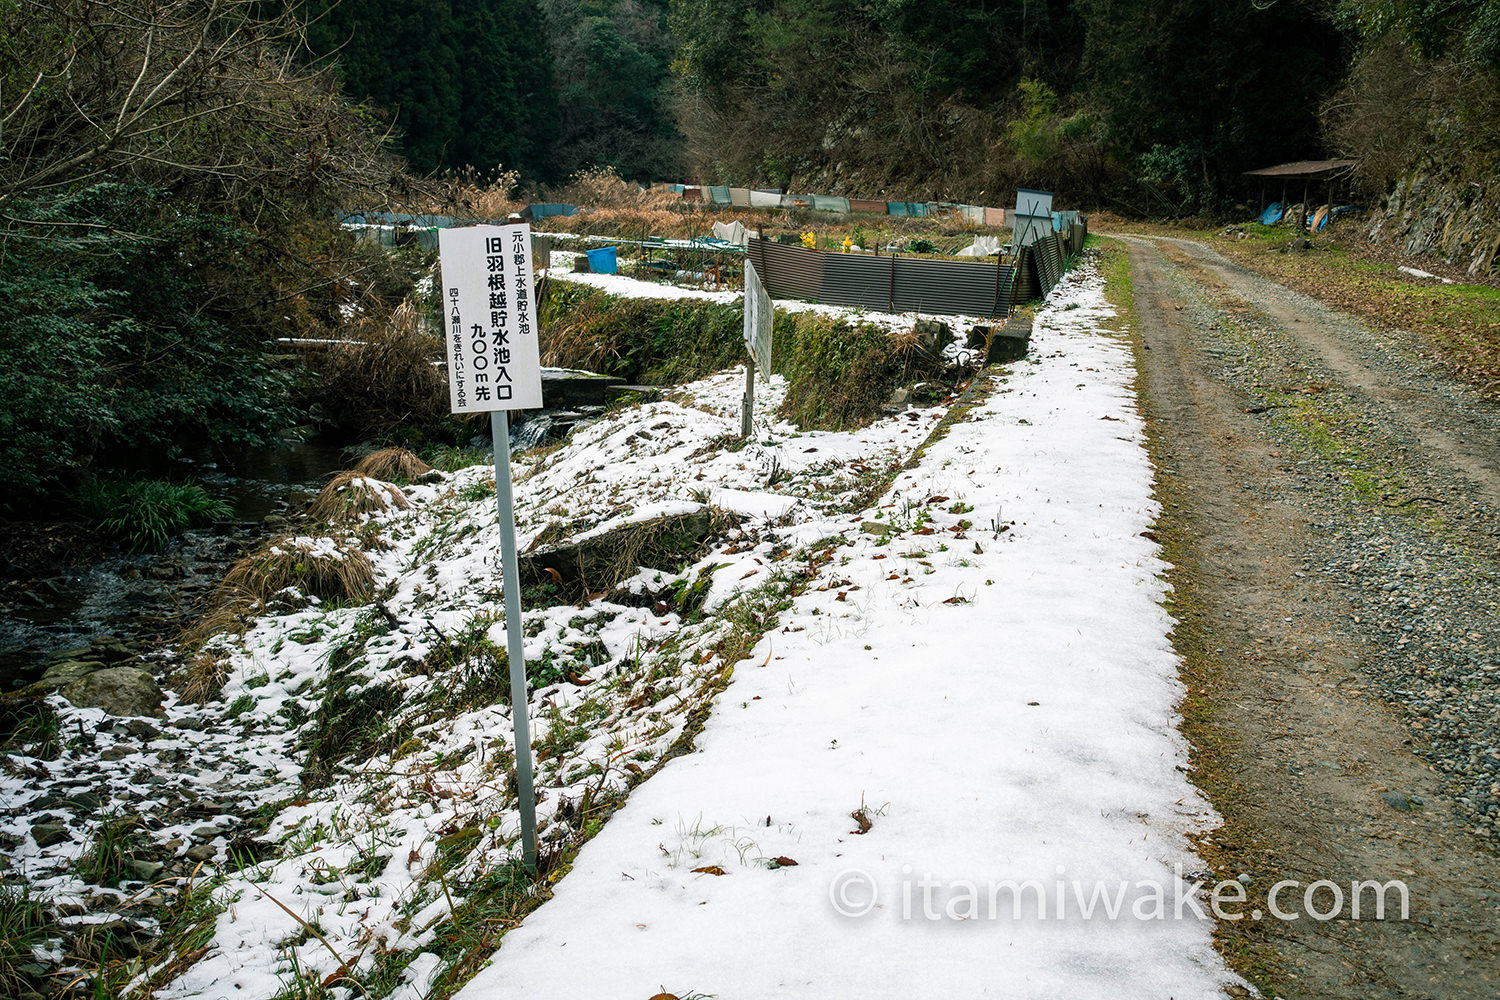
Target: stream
(65,606)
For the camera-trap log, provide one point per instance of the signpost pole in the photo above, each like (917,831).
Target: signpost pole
(760,316)
(749,398)
(489,295)
(515,650)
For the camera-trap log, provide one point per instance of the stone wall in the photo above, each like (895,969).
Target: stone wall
(1459,220)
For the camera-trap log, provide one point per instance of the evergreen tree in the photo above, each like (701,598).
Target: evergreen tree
(1197,92)
(612,62)
(400,56)
(467,83)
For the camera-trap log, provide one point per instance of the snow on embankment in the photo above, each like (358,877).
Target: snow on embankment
(982,698)
(396,717)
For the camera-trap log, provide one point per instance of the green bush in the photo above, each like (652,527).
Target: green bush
(112,341)
(838,371)
(146,514)
(648,341)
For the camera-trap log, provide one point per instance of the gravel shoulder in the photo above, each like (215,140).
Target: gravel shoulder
(1329,507)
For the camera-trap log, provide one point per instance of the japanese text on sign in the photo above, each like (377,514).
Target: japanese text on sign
(493,359)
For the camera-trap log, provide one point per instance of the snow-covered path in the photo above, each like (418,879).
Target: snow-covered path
(997,704)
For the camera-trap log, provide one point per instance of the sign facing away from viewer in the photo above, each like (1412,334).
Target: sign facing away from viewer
(759,317)
(1032,218)
(490,324)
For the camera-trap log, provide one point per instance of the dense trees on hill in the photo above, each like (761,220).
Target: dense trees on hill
(1149,105)
(1193,93)
(611,62)
(464,82)
(1181,93)
(543,87)
(1423,91)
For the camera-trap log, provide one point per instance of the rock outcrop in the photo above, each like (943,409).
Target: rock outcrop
(1457,219)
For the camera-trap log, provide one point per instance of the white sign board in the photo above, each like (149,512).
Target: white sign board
(759,317)
(1032,217)
(489,305)
(1033,203)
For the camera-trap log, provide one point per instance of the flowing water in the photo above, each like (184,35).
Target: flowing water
(135,597)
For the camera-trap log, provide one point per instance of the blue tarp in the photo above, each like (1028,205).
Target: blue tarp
(535,212)
(1272,214)
(604,260)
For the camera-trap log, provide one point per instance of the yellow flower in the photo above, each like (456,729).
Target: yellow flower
(810,240)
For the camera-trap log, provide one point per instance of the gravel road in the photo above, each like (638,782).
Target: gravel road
(1331,510)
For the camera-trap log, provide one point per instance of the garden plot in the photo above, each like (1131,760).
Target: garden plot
(626,287)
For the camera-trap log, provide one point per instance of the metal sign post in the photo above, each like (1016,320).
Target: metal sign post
(759,318)
(494,365)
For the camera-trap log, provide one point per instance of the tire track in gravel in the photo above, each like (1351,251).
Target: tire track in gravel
(1466,431)
(1291,658)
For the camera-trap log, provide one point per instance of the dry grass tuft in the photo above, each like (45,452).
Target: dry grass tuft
(615,206)
(382,377)
(393,465)
(324,567)
(348,497)
(465,194)
(201,681)
(600,188)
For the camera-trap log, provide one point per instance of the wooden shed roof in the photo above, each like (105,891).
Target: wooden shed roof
(1304,169)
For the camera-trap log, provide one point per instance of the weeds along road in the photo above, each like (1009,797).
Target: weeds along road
(1330,508)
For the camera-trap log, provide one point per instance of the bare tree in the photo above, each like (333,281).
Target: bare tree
(202,97)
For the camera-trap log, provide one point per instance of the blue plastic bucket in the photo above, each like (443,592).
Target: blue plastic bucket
(604,261)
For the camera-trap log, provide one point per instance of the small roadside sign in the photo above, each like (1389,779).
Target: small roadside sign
(1032,218)
(490,326)
(759,318)
(490,331)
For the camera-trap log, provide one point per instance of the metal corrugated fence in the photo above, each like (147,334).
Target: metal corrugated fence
(1042,264)
(855,280)
(789,272)
(886,284)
